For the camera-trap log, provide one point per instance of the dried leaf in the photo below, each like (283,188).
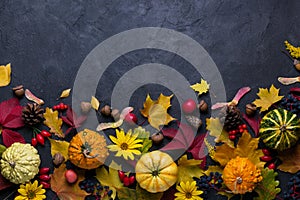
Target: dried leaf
(215,128)
(224,154)
(187,169)
(157,111)
(72,120)
(11,114)
(144,136)
(9,137)
(201,87)
(5,74)
(197,147)
(229,195)
(126,193)
(4,183)
(32,97)
(63,189)
(290,160)
(58,146)
(253,122)
(267,189)
(95,103)
(267,98)
(53,122)
(213,168)
(65,93)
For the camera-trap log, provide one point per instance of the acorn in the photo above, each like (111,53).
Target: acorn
(19,91)
(106,110)
(250,109)
(157,138)
(115,113)
(203,107)
(297,64)
(58,159)
(85,107)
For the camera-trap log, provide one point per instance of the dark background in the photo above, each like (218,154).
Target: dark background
(46,42)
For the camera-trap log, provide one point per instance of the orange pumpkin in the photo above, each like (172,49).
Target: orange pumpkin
(88,150)
(240,175)
(156,171)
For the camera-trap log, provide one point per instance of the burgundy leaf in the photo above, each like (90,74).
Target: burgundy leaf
(78,122)
(197,147)
(67,121)
(72,120)
(169,194)
(4,183)
(10,137)
(253,122)
(11,114)
(6,108)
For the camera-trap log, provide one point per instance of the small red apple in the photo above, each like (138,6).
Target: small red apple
(71,176)
(189,106)
(131,119)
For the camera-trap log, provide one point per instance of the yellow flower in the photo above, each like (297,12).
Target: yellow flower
(31,191)
(125,144)
(5,72)
(187,191)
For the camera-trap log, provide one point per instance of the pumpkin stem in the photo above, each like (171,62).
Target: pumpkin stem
(12,164)
(86,153)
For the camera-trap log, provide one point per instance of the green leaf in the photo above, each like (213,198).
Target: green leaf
(2,149)
(267,189)
(138,194)
(143,135)
(187,169)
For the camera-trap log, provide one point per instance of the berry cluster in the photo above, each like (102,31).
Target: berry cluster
(39,137)
(234,133)
(291,103)
(127,180)
(60,107)
(92,186)
(44,177)
(293,188)
(213,181)
(268,158)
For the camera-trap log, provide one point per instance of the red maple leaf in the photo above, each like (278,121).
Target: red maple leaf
(11,118)
(72,120)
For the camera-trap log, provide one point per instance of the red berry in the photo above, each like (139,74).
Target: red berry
(272,166)
(34,142)
(44,177)
(267,152)
(189,106)
(266,158)
(241,130)
(45,133)
(45,184)
(231,137)
(44,170)
(59,107)
(71,176)
(126,181)
(40,139)
(131,119)
(131,180)
(121,175)
(65,107)
(61,104)
(55,107)
(244,126)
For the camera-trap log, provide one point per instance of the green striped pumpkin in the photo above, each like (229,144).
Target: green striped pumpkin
(279,129)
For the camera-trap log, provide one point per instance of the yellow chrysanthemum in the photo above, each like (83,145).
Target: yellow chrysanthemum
(188,191)
(5,72)
(31,191)
(126,145)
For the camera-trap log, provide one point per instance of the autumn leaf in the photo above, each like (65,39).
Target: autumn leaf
(4,183)
(53,122)
(72,119)
(187,169)
(9,137)
(95,103)
(201,87)
(213,168)
(253,122)
(215,128)
(290,160)
(267,98)
(58,146)
(65,93)
(126,193)
(63,189)
(224,154)
(267,189)
(5,74)
(144,136)
(157,111)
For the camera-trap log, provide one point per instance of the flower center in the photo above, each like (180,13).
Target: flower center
(124,146)
(283,128)
(188,195)
(239,180)
(31,194)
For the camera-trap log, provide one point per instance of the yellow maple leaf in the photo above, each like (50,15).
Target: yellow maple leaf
(5,74)
(53,122)
(215,128)
(58,146)
(157,111)
(267,97)
(187,169)
(201,87)
(290,160)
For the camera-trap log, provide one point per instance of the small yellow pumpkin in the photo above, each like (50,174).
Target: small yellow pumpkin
(20,163)
(156,171)
(240,175)
(88,150)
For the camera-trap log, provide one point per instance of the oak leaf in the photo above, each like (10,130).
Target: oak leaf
(187,169)
(267,97)
(95,103)
(157,111)
(201,87)
(53,122)
(65,93)
(58,146)
(290,160)
(63,189)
